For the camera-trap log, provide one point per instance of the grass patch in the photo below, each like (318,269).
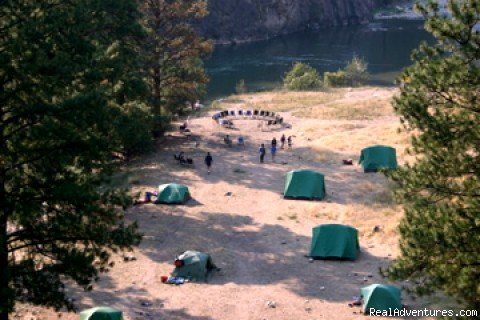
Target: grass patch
(362,103)
(348,110)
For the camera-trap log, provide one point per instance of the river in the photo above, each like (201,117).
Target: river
(386,45)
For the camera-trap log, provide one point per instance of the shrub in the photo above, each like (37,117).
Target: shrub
(302,77)
(335,79)
(134,134)
(354,74)
(357,72)
(241,87)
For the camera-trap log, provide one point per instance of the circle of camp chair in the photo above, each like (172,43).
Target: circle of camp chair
(304,184)
(172,193)
(381,297)
(378,157)
(196,266)
(334,241)
(271,118)
(101,313)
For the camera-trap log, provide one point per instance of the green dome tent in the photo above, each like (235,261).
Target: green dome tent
(334,241)
(304,184)
(196,266)
(378,157)
(101,313)
(172,193)
(381,297)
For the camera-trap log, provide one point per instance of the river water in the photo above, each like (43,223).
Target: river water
(386,45)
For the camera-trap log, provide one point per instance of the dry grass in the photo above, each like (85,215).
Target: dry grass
(342,103)
(348,110)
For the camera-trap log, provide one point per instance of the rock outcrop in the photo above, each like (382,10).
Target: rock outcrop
(247,20)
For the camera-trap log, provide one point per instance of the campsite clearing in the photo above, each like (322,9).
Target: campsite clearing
(238,215)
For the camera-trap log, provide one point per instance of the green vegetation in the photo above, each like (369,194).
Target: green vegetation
(83,85)
(302,77)
(439,101)
(173,53)
(241,87)
(355,74)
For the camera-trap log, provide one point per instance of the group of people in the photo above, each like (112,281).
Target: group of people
(273,147)
(182,159)
(229,142)
(241,141)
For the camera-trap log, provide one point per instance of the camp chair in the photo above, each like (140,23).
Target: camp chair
(249,113)
(240,113)
(232,113)
(262,113)
(255,113)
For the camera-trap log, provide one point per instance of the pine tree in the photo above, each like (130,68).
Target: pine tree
(67,72)
(439,104)
(174,51)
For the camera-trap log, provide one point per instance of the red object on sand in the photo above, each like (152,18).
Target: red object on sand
(164,278)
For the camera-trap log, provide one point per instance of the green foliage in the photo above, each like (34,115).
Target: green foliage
(357,72)
(241,87)
(335,79)
(439,102)
(302,77)
(71,83)
(135,126)
(173,53)
(354,74)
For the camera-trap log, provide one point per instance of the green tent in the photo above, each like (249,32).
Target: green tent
(381,297)
(172,193)
(378,157)
(196,266)
(335,241)
(304,184)
(101,313)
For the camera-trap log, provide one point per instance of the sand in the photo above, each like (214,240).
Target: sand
(257,238)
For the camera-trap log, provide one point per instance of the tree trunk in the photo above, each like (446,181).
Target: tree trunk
(4,209)
(4,277)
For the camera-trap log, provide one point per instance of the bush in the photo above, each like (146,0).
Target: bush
(241,87)
(134,134)
(335,79)
(354,74)
(302,77)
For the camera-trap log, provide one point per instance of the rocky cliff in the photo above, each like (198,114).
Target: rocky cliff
(246,20)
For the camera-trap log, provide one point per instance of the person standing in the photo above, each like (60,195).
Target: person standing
(208,161)
(262,152)
(274,142)
(282,141)
(289,140)
(241,141)
(273,151)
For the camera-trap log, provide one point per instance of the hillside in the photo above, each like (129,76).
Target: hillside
(245,20)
